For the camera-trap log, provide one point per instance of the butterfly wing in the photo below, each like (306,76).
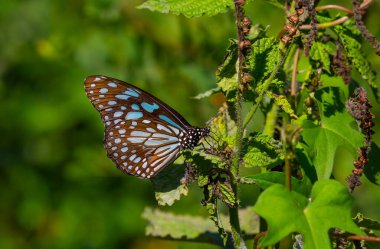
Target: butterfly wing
(142,134)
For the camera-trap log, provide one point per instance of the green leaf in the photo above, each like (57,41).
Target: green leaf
(321,52)
(227,194)
(261,150)
(266,180)
(207,93)
(167,185)
(263,58)
(229,86)
(283,103)
(228,67)
(188,8)
(349,36)
(336,130)
(226,75)
(223,127)
(365,222)
(372,169)
(329,206)
(195,228)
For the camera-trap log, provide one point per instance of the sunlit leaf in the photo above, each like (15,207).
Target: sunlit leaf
(186,227)
(189,8)
(266,180)
(336,130)
(329,202)
(261,150)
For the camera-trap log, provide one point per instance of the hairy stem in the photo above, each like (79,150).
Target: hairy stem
(234,211)
(265,87)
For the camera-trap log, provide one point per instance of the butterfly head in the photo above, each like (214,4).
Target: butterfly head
(192,137)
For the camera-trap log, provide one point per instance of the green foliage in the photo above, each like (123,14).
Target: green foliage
(321,142)
(262,151)
(283,103)
(349,35)
(226,76)
(362,221)
(266,180)
(263,58)
(329,202)
(167,185)
(189,8)
(164,225)
(321,53)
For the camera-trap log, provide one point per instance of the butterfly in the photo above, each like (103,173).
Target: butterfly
(142,134)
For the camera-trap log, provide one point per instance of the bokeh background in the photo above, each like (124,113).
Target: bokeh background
(57,187)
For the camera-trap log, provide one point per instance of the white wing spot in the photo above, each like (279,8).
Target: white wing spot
(117,114)
(117,140)
(103,90)
(163,128)
(150,129)
(140,134)
(144,165)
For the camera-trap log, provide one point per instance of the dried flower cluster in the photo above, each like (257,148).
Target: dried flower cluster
(291,26)
(358,106)
(244,27)
(358,16)
(313,22)
(340,63)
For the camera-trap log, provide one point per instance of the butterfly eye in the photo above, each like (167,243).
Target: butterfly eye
(143,135)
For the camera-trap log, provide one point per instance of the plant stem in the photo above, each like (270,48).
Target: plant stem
(341,20)
(234,211)
(293,89)
(264,88)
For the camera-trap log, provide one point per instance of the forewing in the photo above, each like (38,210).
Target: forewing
(141,132)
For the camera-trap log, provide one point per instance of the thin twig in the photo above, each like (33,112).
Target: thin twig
(336,7)
(256,239)
(326,24)
(341,20)
(363,237)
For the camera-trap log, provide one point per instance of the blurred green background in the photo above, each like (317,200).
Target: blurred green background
(57,187)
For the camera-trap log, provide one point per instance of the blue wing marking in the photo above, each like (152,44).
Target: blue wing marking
(133,115)
(149,107)
(132,92)
(166,119)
